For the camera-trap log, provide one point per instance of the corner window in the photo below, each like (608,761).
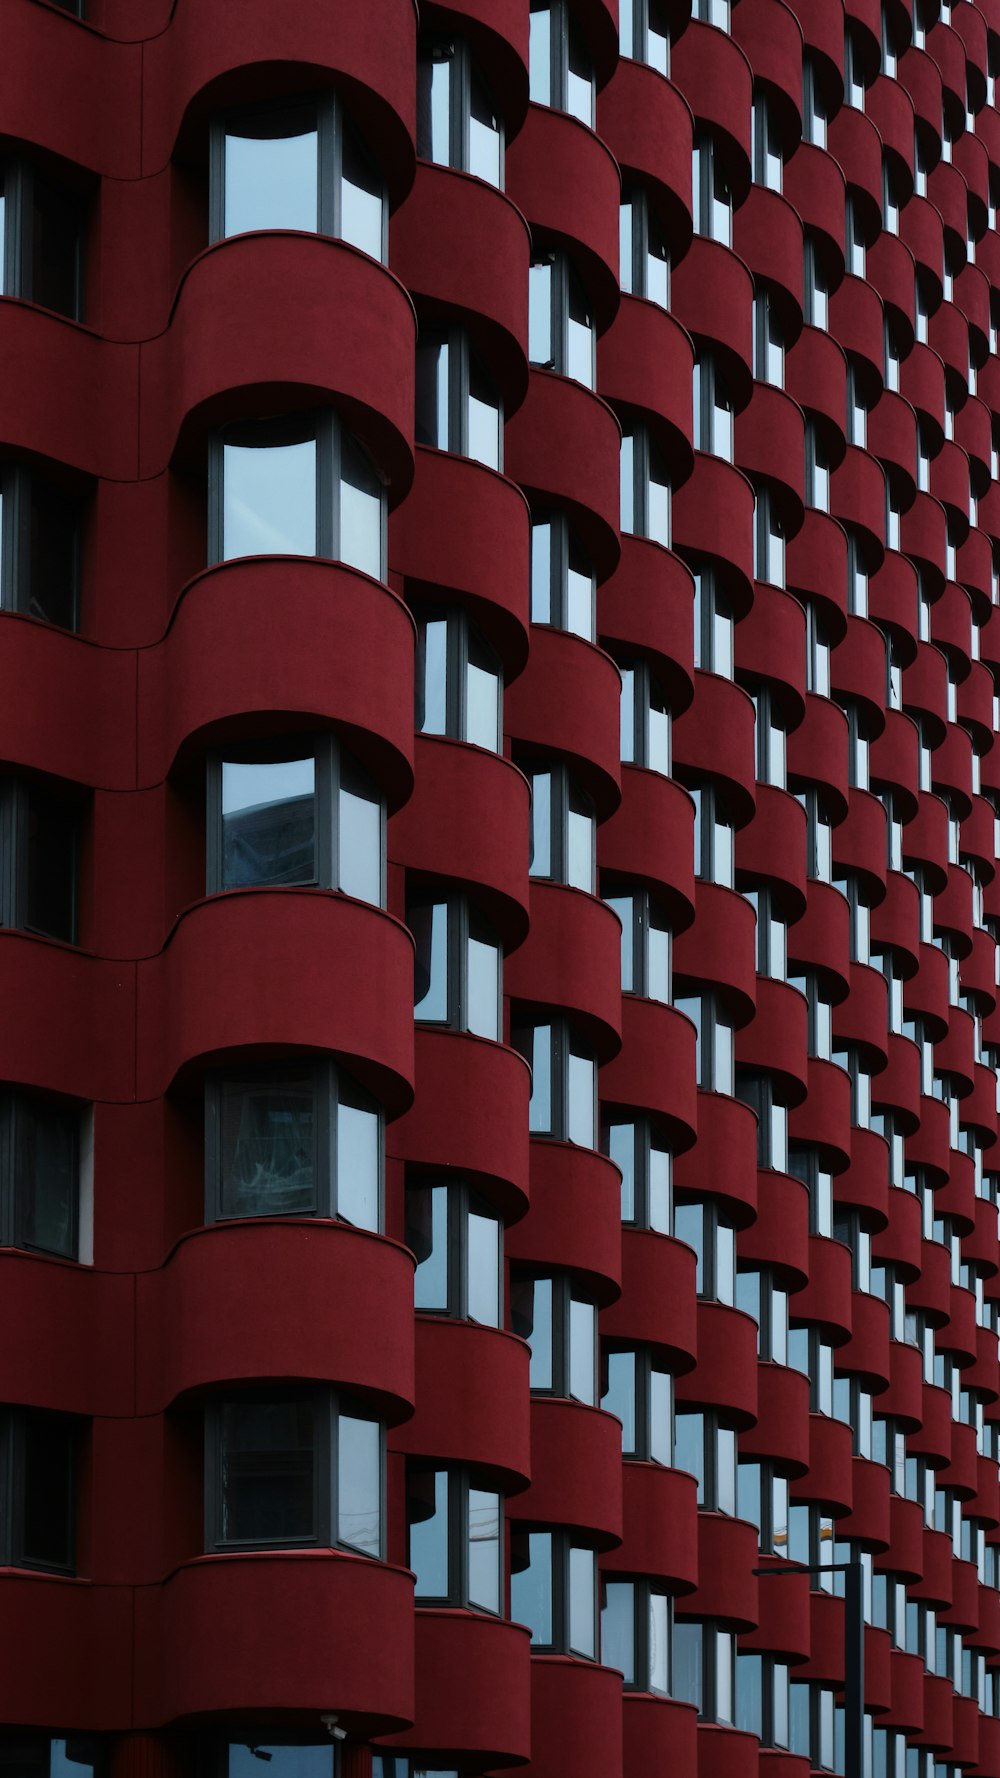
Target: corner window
(301,815)
(295,1140)
(560,1327)
(769,540)
(561,332)
(705,1227)
(40,525)
(553,1589)
(42,227)
(705,1669)
(811,1354)
(714,625)
(712,407)
(458,124)
(458,406)
(563,582)
(561,73)
(644,33)
(457,1238)
(38,1455)
(646,945)
(646,724)
(563,1101)
(640,1393)
(711,192)
(39,1175)
(563,829)
(714,839)
(299,164)
(768,342)
(297,485)
(763,1697)
(454,1536)
(636,1619)
(39,838)
(293,1468)
(820,1014)
(644,254)
(646,1167)
(457,965)
(459,681)
(645,488)
(765,151)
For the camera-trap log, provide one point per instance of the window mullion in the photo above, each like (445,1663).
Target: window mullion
(329,149)
(326,1140)
(326,858)
(328,485)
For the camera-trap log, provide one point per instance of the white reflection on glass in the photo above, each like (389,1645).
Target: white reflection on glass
(269,499)
(271,181)
(359,1484)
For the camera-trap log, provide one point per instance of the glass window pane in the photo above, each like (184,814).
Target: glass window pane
(483,968)
(267,1147)
(579,80)
(580,849)
(660,1192)
(266,1451)
(689,1448)
(540,1103)
(484,419)
(272,173)
(583,1351)
(484,1269)
(360,510)
(540,1336)
(621,1148)
(359,840)
(432,716)
(484,133)
(750,1698)
(359,1484)
(427,1512)
(287,1761)
(687,1682)
(661,1416)
(358,1164)
(627,715)
(428,923)
(579,339)
(658,516)
(581,1111)
(52,555)
(362,200)
(432,425)
(531,1586)
(427,1237)
(628,520)
(658,962)
(619,1397)
(579,591)
(434,106)
(622,905)
(269,499)
(540,313)
(583,1601)
(47,1476)
(45,1185)
(540,56)
(725,1469)
(484,1549)
(482,705)
(658,1622)
(268,823)
(724,1675)
(51,867)
(541,572)
(618,1628)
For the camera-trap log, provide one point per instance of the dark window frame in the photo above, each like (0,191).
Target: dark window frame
(773,1673)
(563,542)
(331,1087)
(564,793)
(643,1591)
(461,1481)
(645,1364)
(710,397)
(448,46)
(709,1477)
(565,40)
(22,184)
(464,362)
(566,289)
(648,240)
(20,489)
(20,800)
(463,641)
(562,1542)
(15,1429)
(645,915)
(16,1108)
(327,1407)
(564,1293)
(649,468)
(644,1140)
(563,1042)
(648,696)
(464,924)
(463,1201)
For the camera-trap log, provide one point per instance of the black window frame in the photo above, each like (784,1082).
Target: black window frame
(17,1110)
(815,285)
(771,1676)
(757,1089)
(765,144)
(328,1405)
(333,120)
(25,496)
(24,803)
(770,950)
(463,1201)
(706,1012)
(639,20)
(710,185)
(333,769)
(330,434)
(464,363)
(712,607)
(16,1427)
(766,1301)
(332,1087)
(706,1246)
(763,1499)
(461,1482)
(711,816)
(768,335)
(710,1632)
(564,793)
(770,539)
(715,1488)
(710,397)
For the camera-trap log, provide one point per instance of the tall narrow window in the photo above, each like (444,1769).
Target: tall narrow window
(43,225)
(458,406)
(457,965)
(39,842)
(459,680)
(458,124)
(296,485)
(561,72)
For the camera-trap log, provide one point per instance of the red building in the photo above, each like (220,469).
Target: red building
(499,570)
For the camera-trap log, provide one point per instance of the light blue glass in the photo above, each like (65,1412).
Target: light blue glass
(271,181)
(358,1165)
(359,1484)
(484,1549)
(428,1552)
(531,1589)
(583,1602)
(269,499)
(618,1628)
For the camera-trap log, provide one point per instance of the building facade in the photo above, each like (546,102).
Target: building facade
(499,830)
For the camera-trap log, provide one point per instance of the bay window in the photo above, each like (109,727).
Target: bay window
(299,813)
(639,1392)
(714,838)
(646,724)
(646,1167)
(644,252)
(644,33)
(292,1139)
(563,1101)
(705,1668)
(714,1045)
(560,69)
(563,582)
(454,1537)
(646,944)
(714,624)
(40,547)
(458,405)
(712,408)
(458,124)
(553,1589)
(766,1301)
(559,1324)
(457,965)
(293,1468)
(299,163)
(295,485)
(457,1239)
(819,1012)
(704,1225)
(563,829)
(763,1698)
(758,1091)
(636,1621)
(711,192)
(762,1500)
(561,331)
(459,680)
(706,1447)
(645,488)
